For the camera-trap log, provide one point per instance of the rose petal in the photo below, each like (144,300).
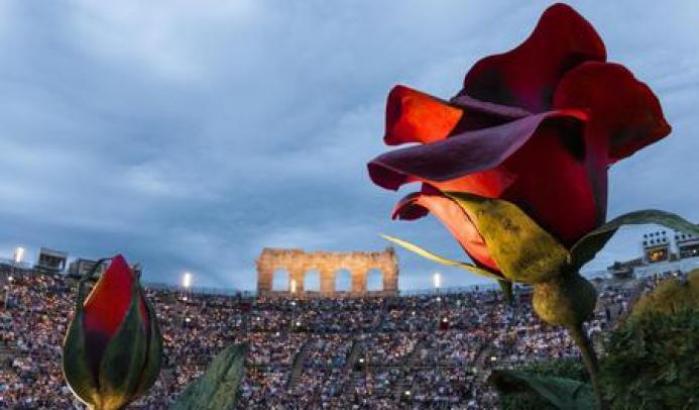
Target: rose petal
(623,110)
(109,300)
(527,75)
(559,183)
(454,218)
(471,104)
(460,155)
(413,116)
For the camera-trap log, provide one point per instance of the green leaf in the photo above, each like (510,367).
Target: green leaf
(76,370)
(154,354)
(217,389)
(522,250)
(587,247)
(442,260)
(123,360)
(563,393)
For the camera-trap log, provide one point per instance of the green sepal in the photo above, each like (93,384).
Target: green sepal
(586,248)
(124,357)
(560,392)
(522,250)
(154,355)
(442,260)
(217,388)
(75,367)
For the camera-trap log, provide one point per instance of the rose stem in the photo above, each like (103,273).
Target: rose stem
(590,360)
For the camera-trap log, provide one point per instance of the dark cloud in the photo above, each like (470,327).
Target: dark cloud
(191,135)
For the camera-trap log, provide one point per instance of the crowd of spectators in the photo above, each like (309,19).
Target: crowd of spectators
(425,351)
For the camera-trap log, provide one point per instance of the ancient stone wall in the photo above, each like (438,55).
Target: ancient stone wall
(328,264)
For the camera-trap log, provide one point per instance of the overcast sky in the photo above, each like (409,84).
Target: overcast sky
(190,135)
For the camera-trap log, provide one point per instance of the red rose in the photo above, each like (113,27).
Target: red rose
(537,126)
(113,349)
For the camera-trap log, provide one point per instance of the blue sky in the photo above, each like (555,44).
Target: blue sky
(189,135)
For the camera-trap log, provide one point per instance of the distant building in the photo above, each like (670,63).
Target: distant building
(662,251)
(81,266)
(624,270)
(51,261)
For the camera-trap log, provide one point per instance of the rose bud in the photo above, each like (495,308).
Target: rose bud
(113,348)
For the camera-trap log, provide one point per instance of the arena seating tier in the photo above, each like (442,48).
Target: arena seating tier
(424,351)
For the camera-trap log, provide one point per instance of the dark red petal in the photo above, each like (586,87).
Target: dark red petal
(460,155)
(527,76)
(454,218)
(559,181)
(407,208)
(109,300)
(505,112)
(623,110)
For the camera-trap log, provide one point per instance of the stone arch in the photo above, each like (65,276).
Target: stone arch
(298,263)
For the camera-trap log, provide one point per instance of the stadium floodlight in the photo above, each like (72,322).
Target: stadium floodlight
(19,254)
(186,280)
(437,280)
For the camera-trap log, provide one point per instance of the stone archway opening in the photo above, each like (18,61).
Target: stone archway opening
(281,280)
(311,281)
(343,281)
(374,280)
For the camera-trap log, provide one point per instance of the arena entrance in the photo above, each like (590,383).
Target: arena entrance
(330,268)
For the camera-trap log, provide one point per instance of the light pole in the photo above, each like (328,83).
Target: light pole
(186,284)
(19,255)
(292,289)
(186,280)
(16,260)
(437,282)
